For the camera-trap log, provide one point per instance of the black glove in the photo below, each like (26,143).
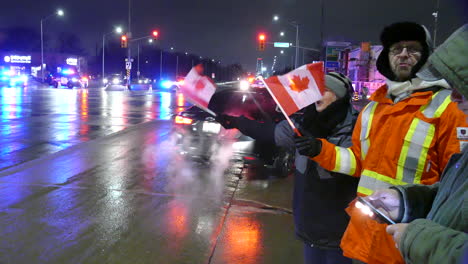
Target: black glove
(227,121)
(307,145)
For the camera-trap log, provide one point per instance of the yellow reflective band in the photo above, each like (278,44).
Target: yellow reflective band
(364,190)
(345,161)
(423,158)
(338,159)
(405,148)
(383,178)
(353,162)
(366,124)
(442,107)
(371,116)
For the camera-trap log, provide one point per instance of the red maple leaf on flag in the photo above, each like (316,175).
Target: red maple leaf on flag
(199,85)
(299,84)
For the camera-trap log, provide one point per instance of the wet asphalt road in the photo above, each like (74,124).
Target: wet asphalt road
(92,176)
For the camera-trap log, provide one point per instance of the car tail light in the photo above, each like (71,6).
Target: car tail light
(249,158)
(183,120)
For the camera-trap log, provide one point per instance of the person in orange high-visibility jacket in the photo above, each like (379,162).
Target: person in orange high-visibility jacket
(406,134)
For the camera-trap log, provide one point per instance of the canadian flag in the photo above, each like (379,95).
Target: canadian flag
(298,88)
(198,88)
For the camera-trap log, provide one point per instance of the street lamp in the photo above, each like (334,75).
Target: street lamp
(282,34)
(58,13)
(117,30)
(296,25)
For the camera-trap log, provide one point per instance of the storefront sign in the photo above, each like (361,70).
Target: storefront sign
(72,61)
(17,59)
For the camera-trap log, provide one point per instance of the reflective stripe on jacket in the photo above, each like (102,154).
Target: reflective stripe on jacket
(393,144)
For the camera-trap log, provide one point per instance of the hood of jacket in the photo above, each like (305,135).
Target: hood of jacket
(403,31)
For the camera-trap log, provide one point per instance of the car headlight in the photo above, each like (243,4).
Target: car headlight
(74,79)
(105,80)
(115,81)
(244,85)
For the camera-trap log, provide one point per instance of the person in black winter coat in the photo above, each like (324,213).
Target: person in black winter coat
(320,196)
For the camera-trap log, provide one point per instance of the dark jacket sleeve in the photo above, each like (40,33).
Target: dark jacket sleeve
(417,200)
(425,241)
(262,132)
(284,135)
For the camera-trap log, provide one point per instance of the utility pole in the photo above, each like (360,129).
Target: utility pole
(160,65)
(177,66)
(129,54)
(322,25)
(436,15)
(138,61)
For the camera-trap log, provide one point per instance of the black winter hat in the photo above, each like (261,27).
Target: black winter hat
(403,31)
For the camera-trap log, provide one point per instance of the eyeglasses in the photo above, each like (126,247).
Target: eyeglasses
(411,50)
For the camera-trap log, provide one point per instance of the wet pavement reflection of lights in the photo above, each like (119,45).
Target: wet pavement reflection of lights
(244,241)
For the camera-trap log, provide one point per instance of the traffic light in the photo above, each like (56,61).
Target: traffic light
(124,41)
(261,42)
(155,34)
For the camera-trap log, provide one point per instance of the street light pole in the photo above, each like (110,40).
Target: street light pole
(435,14)
(103,52)
(297,46)
(138,61)
(177,66)
(59,13)
(42,51)
(296,25)
(160,65)
(117,30)
(129,54)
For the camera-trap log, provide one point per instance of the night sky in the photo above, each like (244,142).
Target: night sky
(227,30)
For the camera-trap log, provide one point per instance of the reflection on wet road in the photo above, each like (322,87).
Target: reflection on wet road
(38,120)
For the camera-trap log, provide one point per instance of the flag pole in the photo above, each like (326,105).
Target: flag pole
(281,108)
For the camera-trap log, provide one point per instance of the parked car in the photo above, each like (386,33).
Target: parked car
(114,79)
(199,136)
(12,78)
(69,78)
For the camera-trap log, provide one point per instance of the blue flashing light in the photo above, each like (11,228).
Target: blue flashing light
(68,71)
(166,84)
(5,74)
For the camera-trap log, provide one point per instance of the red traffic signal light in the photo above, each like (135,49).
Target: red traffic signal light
(261,42)
(123,41)
(155,34)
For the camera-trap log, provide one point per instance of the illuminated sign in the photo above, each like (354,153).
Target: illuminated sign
(17,59)
(72,61)
(281,44)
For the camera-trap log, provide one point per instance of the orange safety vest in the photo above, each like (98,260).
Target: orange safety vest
(393,144)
